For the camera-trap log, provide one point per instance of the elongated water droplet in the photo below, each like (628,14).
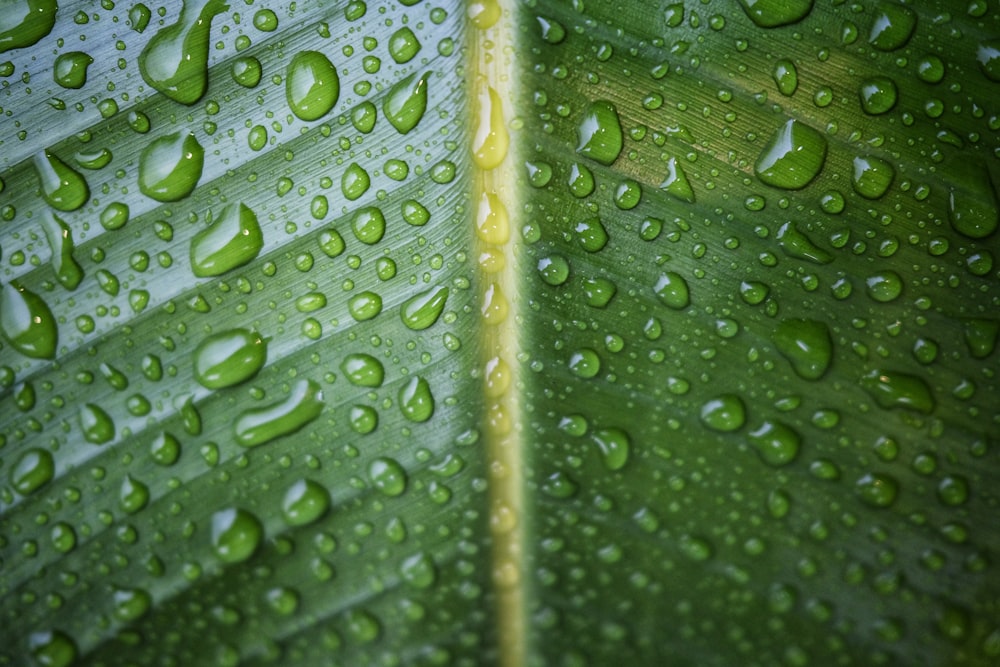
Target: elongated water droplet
(27,323)
(599,133)
(170,167)
(175,60)
(776,443)
(973,209)
(489,145)
(33,469)
(672,290)
(774,13)
(236,534)
(231,241)
(368,225)
(872,176)
(257,426)
(676,182)
(62,186)
(133,495)
(892,389)
(807,346)
(416,401)
(988,57)
(423,310)
(25,22)
(229,357)
(67,270)
(70,69)
(796,244)
(876,489)
(792,158)
(312,86)
(786,77)
(138,17)
(406,103)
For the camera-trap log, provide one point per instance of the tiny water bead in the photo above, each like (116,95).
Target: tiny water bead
(170,167)
(229,357)
(599,133)
(235,535)
(27,323)
(724,413)
(312,85)
(792,158)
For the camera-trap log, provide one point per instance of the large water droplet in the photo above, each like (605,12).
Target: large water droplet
(878,95)
(388,476)
(70,70)
(774,13)
(415,400)
(62,186)
(776,443)
(723,413)
(418,570)
(490,141)
(363,370)
(236,534)
(96,424)
(231,241)
(133,495)
(614,445)
(406,103)
(175,60)
(303,404)
(229,357)
(807,346)
(312,86)
(876,489)
(52,648)
(892,26)
(988,56)
(600,132)
(421,311)
(27,323)
(305,502)
(892,389)
(673,290)
(33,469)
(25,22)
(676,182)
(792,158)
(973,209)
(403,45)
(170,167)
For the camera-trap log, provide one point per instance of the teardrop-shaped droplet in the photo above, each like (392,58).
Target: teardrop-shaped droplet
(62,186)
(312,86)
(807,345)
(229,357)
(892,26)
(614,445)
(872,176)
(67,270)
(388,476)
(673,290)
(892,389)
(303,404)
(236,534)
(490,142)
(416,401)
(175,60)
(170,167)
(796,244)
(676,182)
(24,22)
(421,311)
(70,69)
(406,103)
(599,133)
(418,570)
(27,323)
(133,495)
(776,443)
(231,241)
(96,424)
(792,158)
(305,501)
(33,469)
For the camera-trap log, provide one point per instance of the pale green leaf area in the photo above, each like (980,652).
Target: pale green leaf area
(242,417)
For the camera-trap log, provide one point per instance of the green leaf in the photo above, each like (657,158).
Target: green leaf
(533,333)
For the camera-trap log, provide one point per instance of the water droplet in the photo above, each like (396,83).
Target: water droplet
(312,86)
(231,241)
(406,103)
(723,413)
(600,133)
(138,17)
(25,22)
(930,69)
(362,625)
(131,603)
(175,61)
(403,45)
(52,648)
(33,469)
(872,176)
(807,346)
(553,269)
(672,290)
(591,234)
(114,216)
(774,13)
(876,489)
(878,95)
(676,182)
(66,268)
(265,20)
(27,323)
(415,400)
(363,370)
(170,167)
(304,502)
(584,363)
(355,181)
(776,443)
(792,158)
(953,490)
(63,537)
(892,27)
(988,56)
(892,389)
(581,180)
(258,426)
(973,209)
(490,141)
(236,534)
(884,286)
(414,213)
(98,427)
(418,570)
(247,71)
(229,357)
(786,77)
(423,310)
(796,244)
(165,449)
(70,69)
(63,188)
(387,476)
(364,305)
(981,337)
(614,445)
(368,225)
(133,495)
(552,31)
